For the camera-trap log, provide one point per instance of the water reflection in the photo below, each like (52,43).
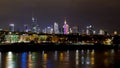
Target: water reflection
(85,58)
(44,59)
(64,59)
(0,60)
(92,57)
(24,60)
(56,55)
(108,58)
(60,59)
(77,58)
(32,63)
(10,60)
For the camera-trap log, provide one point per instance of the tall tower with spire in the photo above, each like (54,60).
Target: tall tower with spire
(66,27)
(34,25)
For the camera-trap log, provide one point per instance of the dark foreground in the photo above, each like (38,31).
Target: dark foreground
(50,47)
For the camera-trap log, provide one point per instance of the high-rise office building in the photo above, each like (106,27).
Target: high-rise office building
(56,28)
(44,31)
(12,27)
(101,32)
(49,30)
(26,28)
(90,30)
(71,31)
(35,26)
(66,27)
(75,29)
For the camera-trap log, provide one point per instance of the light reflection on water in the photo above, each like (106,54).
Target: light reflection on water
(0,60)
(10,60)
(24,60)
(60,59)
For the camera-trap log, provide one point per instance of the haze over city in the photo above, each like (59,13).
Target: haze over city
(102,14)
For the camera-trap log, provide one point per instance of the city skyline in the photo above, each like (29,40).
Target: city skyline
(102,14)
(34,27)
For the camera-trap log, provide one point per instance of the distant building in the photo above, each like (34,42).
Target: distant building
(90,30)
(1,29)
(56,28)
(61,30)
(101,32)
(75,29)
(66,27)
(115,33)
(71,31)
(83,31)
(12,27)
(35,26)
(26,28)
(49,30)
(44,31)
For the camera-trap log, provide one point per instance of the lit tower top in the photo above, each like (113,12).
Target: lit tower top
(66,27)
(65,22)
(33,19)
(34,24)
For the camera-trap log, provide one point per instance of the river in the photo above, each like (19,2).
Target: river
(61,59)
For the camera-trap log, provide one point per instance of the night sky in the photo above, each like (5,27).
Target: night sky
(102,14)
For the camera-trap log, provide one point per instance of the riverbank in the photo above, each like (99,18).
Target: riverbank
(40,47)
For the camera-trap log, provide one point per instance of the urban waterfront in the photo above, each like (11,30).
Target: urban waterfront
(61,59)
(59,34)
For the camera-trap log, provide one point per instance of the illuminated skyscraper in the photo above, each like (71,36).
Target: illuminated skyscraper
(56,28)
(49,30)
(34,25)
(12,27)
(26,28)
(90,30)
(101,32)
(71,31)
(66,27)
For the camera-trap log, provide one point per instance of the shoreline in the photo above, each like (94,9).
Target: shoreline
(20,47)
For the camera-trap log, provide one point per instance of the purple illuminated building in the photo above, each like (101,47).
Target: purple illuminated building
(66,27)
